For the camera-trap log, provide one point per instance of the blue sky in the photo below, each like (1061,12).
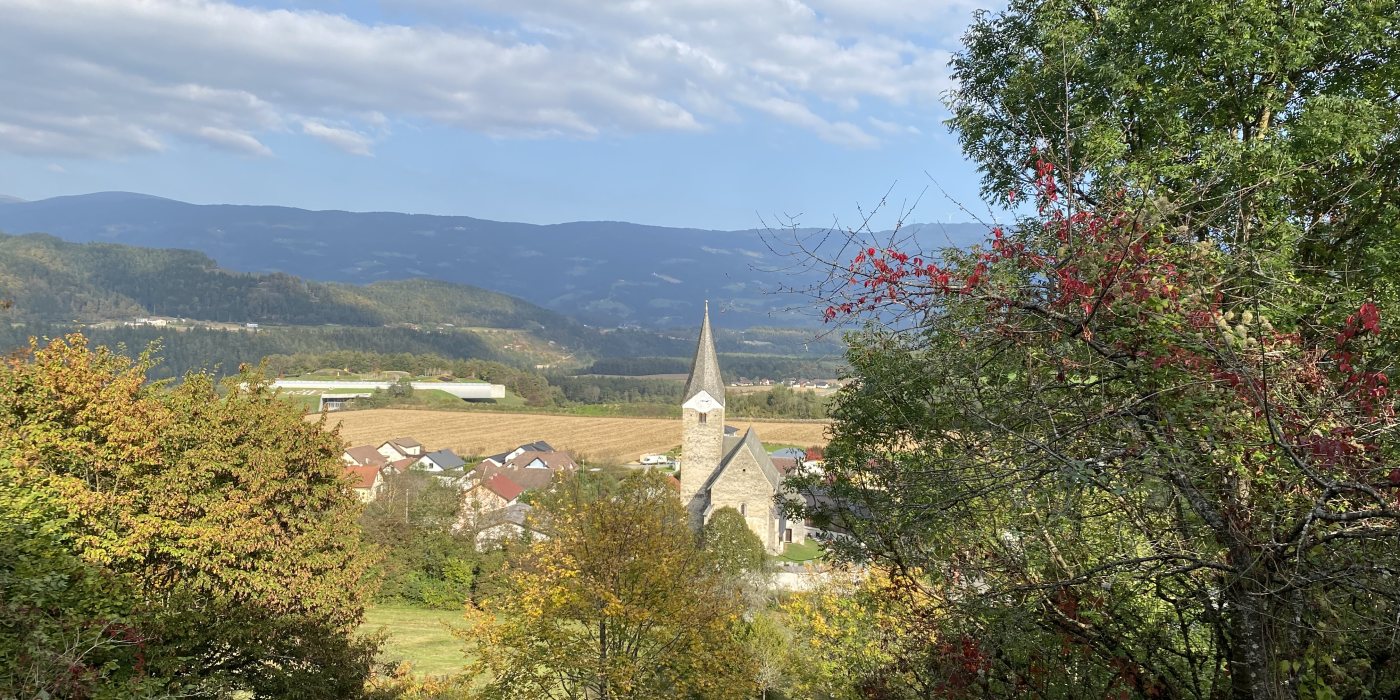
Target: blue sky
(706,113)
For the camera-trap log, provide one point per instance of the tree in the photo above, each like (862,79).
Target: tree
(1161,472)
(732,546)
(1269,125)
(220,518)
(617,602)
(1173,472)
(1148,429)
(401,389)
(63,631)
(425,560)
(860,636)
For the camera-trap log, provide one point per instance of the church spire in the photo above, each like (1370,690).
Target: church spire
(704,370)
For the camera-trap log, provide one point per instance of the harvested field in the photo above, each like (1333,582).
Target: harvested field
(601,439)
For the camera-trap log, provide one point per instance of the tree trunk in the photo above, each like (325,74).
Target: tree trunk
(1256,654)
(603,659)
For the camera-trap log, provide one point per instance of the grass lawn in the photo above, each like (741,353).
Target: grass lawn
(418,635)
(308,404)
(802,552)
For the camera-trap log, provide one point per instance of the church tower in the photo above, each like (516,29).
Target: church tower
(702,424)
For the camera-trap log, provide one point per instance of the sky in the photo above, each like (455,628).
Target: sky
(720,114)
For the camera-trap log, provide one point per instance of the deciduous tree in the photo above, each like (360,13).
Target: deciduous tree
(1269,125)
(1123,460)
(618,602)
(221,513)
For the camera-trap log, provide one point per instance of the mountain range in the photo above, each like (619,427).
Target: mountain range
(600,272)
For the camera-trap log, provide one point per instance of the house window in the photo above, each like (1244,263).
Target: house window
(743,509)
(704,416)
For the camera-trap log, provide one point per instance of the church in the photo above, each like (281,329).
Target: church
(719,467)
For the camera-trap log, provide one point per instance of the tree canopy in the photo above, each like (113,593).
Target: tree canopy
(1266,124)
(734,548)
(217,518)
(618,602)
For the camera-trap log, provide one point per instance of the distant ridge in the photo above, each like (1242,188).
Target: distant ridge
(7,199)
(48,279)
(605,273)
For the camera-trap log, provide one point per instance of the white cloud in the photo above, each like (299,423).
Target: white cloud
(56,168)
(112,77)
(894,129)
(348,140)
(233,140)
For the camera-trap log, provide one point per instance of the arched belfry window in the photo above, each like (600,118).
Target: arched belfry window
(704,417)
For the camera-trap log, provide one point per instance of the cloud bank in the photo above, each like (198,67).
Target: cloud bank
(105,78)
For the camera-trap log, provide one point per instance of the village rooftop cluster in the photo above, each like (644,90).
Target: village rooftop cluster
(490,491)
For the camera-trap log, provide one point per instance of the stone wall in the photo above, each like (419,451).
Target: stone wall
(743,487)
(702,448)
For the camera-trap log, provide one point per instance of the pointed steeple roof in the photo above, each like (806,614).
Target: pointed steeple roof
(704,369)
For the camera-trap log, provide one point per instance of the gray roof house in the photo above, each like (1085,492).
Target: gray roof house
(440,461)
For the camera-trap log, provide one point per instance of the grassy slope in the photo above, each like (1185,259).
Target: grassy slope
(420,636)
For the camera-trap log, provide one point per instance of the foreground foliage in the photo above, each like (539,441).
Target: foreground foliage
(199,542)
(423,560)
(1125,463)
(619,602)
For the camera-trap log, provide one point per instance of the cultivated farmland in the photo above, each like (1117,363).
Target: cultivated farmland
(605,439)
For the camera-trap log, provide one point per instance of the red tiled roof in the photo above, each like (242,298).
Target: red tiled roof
(502,486)
(401,465)
(673,482)
(363,477)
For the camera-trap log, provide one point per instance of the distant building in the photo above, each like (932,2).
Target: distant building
(509,523)
(363,456)
(440,461)
(720,469)
(490,503)
(533,465)
(336,402)
(401,448)
(366,481)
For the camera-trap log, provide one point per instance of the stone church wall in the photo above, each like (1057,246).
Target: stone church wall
(702,448)
(743,487)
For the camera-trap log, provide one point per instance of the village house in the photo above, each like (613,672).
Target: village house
(440,461)
(399,466)
(401,448)
(366,480)
(724,470)
(363,456)
(509,523)
(492,489)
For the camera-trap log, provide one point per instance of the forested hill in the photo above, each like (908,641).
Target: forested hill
(51,280)
(604,273)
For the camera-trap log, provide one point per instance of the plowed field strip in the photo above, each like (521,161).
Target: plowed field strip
(621,439)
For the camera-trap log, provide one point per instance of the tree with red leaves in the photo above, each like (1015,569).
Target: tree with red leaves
(1126,460)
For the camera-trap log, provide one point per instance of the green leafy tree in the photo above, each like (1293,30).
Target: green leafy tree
(401,389)
(1269,125)
(221,513)
(617,602)
(424,559)
(64,630)
(1124,461)
(733,547)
